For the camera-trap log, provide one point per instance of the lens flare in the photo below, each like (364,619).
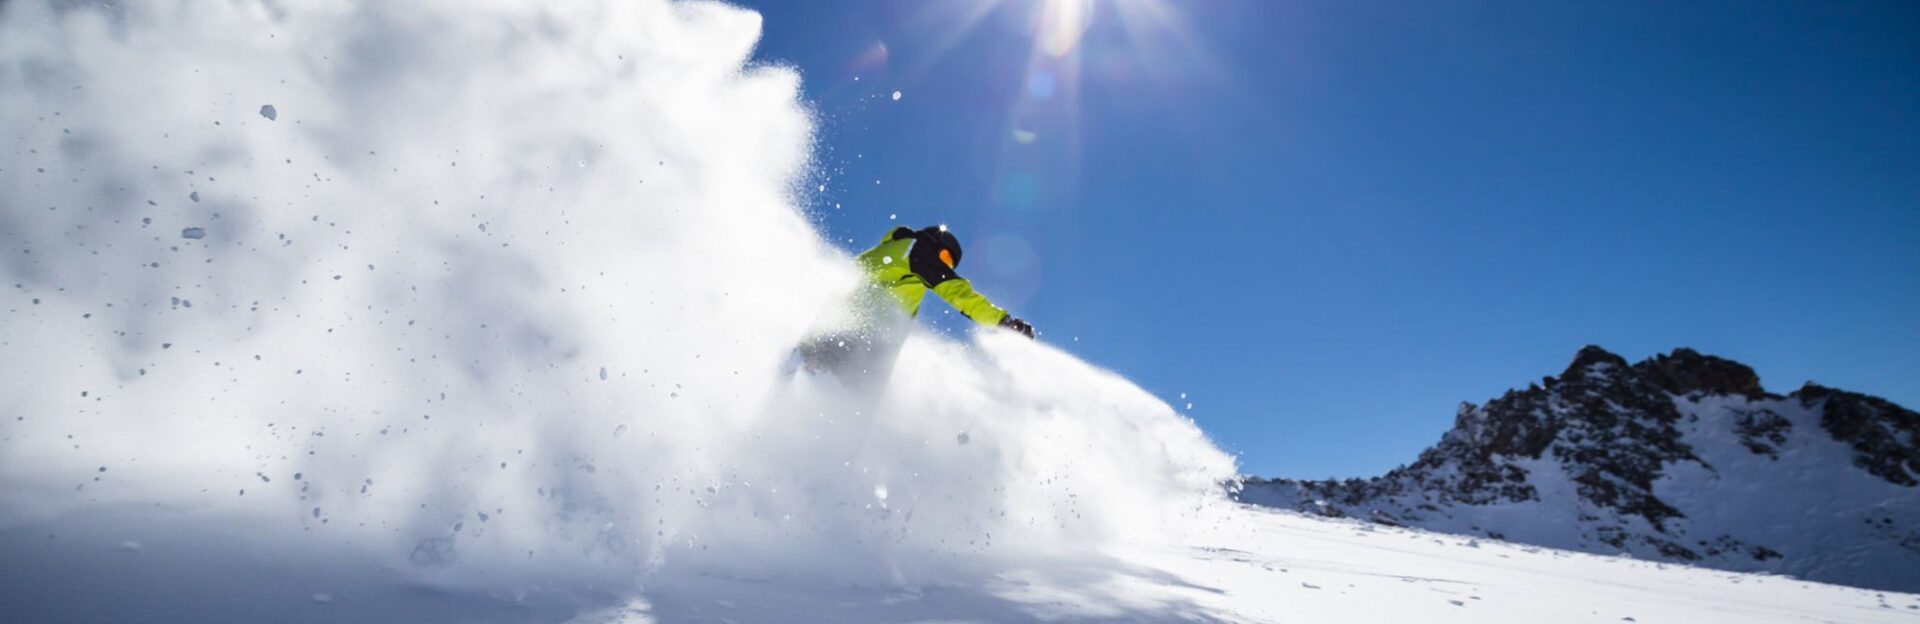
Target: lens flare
(1062,23)
(873,59)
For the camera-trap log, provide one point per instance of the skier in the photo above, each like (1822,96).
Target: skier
(900,270)
(908,262)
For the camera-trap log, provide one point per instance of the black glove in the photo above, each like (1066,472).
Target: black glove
(1017,325)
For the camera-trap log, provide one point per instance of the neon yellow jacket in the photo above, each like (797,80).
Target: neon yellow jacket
(907,263)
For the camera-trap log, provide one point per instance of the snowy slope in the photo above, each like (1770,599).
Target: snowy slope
(1242,565)
(1681,458)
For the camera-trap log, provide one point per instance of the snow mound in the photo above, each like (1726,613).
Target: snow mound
(488,291)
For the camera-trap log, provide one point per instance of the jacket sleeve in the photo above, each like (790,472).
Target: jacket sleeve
(959,294)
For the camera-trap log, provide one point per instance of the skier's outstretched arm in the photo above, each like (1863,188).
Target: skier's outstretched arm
(935,269)
(960,294)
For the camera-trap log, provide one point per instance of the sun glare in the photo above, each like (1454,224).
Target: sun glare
(1062,23)
(1128,46)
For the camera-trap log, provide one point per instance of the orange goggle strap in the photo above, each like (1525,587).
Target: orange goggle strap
(947,257)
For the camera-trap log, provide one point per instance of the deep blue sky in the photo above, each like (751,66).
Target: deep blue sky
(1331,222)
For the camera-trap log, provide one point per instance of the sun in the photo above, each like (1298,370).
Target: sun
(1061,25)
(1058,26)
(1135,48)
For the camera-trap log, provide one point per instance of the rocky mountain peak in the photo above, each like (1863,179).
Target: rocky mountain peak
(1589,357)
(1681,457)
(1685,371)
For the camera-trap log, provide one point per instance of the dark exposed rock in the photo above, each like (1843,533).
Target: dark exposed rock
(1762,431)
(1886,436)
(1589,357)
(1727,545)
(1686,371)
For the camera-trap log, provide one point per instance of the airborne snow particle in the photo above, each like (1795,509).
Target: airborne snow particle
(193,233)
(433,551)
(195,196)
(603,373)
(268,112)
(896,96)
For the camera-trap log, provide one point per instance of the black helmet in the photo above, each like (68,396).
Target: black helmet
(939,235)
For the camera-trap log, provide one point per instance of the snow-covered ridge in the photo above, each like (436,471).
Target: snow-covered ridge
(1682,457)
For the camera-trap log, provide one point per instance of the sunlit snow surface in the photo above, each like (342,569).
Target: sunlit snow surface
(474,311)
(1238,565)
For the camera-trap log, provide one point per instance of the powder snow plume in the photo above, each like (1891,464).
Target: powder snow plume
(496,291)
